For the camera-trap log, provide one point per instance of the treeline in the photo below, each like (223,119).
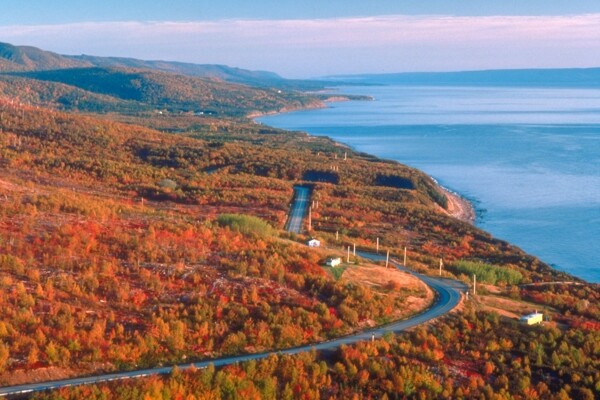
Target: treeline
(486,273)
(576,301)
(246,224)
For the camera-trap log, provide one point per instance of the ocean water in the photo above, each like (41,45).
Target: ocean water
(528,158)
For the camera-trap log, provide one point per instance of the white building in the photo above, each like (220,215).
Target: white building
(333,261)
(532,319)
(314,243)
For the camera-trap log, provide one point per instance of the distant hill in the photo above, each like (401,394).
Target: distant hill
(26,58)
(129,89)
(211,71)
(568,77)
(64,97)
(126,85)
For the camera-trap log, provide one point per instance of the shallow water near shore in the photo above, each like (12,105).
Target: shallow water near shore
(528,158)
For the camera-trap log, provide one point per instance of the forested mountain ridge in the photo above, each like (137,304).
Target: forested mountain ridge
(60,96)
(155,90)
(127,85)
(210,71)
(27,58)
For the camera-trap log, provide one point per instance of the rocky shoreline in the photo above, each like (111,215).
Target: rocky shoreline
(459,207)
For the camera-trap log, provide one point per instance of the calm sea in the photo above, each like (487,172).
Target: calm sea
(528,158)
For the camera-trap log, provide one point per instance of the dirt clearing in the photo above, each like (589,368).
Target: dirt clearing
(392,282)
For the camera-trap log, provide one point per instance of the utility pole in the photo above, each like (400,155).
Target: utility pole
(348,257)
(405,256)
(377,245)
(337,235)
(354,250)
(441,264)
(387,259)
(474,284)
(345,156)
(309,219)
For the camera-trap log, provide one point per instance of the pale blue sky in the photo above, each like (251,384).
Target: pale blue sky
(317,37)
(63,11)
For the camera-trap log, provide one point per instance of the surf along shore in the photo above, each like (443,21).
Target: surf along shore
(458,207)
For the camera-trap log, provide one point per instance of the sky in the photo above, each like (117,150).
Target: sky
(310,38)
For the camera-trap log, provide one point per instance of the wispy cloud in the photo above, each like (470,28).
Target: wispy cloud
(323,46)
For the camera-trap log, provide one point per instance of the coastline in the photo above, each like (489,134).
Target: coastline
(257,114)
(459,207)
(316,105)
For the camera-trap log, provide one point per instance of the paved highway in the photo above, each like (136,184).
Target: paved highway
(447,297)
(298,209)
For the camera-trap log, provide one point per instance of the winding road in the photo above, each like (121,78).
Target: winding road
(447,297)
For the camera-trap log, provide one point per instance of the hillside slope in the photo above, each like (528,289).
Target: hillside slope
(211,162)
(64,97)
(210,71)
(150,90)
(28,58)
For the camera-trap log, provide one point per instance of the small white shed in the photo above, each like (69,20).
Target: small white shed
(314,243)
(333,261)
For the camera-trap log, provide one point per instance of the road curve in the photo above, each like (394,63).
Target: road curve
(447,297)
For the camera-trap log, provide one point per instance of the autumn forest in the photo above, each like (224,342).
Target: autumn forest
(142,224)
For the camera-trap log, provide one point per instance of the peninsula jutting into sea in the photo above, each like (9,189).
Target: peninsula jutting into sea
(189,229)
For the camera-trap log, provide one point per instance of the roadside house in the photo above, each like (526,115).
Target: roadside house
(532,319)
